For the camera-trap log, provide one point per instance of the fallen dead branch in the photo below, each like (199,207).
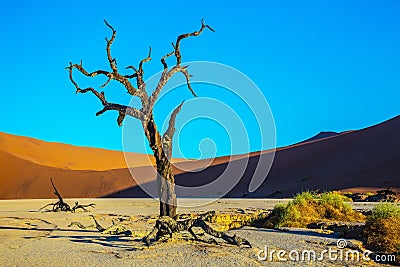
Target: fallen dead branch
(114,229)
(83,207)
(60,205)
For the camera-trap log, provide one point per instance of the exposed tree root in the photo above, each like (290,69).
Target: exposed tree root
(167,226)
(80,225)
(114,229)
(98,226)
(83,207)
(60,205)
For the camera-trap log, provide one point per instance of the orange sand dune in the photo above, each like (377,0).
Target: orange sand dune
(21,178)
(363,159)
(67,156)
(367,158)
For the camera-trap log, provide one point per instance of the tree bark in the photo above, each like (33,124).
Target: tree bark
(167,196)
(165,176)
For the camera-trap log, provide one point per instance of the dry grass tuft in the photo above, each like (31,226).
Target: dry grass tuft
(308,207)
(382,229)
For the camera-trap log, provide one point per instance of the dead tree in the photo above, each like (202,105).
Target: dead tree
(60,205)
(161,145)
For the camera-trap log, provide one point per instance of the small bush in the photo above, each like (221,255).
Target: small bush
(304,198)
(308,207)
(382,229)
(334,199)
(384,210)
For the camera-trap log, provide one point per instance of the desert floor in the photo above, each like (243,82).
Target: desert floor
(33,238)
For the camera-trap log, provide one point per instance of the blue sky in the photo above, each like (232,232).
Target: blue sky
(321,65)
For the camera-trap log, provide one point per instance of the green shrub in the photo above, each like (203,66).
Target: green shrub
(384,210)
(335,199)
(304,198)
(308,207)
(382,229)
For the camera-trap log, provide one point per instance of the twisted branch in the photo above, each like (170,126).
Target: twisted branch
(147,59)
(165,76)
(169,133)
(111,76)
(56,191)
(164,58)
(132,75)
(122,109)
(141,85)
(186,35)
(112,61)
(115,75)
(140,91)
(184,71)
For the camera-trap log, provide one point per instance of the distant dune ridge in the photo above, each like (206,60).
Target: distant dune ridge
(322,135)
(362,160)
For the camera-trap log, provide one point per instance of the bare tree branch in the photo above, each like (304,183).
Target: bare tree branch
(112,61)
(104,84)
(122,109)
(147,59)
(132,67)
(186,35)
(165,76)
(132,75)
(184,71)
(56,191)
(171,125)
(140,82)
(165,57)
(111,76)
(139,72)
(115,75)
(169,133)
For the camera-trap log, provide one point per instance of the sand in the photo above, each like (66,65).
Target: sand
(32,238)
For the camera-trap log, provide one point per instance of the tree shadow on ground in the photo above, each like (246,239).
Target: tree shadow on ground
(120,242)
(45,229)
(123,242)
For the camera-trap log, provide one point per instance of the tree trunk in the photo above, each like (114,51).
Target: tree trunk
(167,194)
(165,177)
